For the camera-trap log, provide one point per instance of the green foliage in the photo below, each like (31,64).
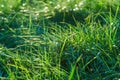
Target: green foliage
(8,5)
(59,40)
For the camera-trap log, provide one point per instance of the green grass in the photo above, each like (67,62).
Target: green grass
(60,40)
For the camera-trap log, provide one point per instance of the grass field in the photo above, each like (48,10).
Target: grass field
(59,40)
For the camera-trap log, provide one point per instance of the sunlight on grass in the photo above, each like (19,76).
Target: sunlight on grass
(59,40)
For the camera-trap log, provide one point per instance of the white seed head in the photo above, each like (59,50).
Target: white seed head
(46,9)
(68,0)
(76,9)
(57,7)
(64,7)
(24,4)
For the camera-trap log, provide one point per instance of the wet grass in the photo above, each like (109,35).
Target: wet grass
(68,40)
